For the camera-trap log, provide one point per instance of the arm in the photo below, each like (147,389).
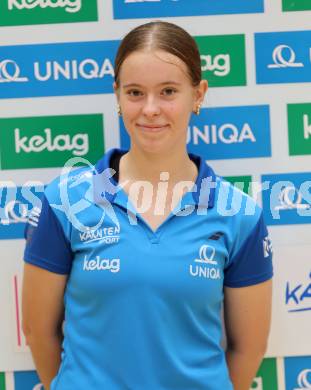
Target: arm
(42,315)
(247,314)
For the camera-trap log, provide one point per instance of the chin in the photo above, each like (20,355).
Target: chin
(154,147)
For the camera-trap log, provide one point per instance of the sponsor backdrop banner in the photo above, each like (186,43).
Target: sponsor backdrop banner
(57,102)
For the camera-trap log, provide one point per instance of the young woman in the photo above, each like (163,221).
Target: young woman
(141,290)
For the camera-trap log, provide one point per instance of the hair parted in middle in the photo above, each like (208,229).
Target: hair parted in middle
(165,36)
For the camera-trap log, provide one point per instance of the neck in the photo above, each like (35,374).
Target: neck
(139,165)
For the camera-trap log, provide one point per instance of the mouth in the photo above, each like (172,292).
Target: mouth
(151,128)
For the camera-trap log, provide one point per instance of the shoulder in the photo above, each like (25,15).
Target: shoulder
(69,184)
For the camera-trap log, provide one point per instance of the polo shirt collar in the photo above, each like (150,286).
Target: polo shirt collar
(106,189)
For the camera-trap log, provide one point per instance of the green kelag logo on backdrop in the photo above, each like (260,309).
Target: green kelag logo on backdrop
(23,12)
(296,5)
(299,128)
(266,377)
(223,59)
(43,142)
(2,381)
(243,183)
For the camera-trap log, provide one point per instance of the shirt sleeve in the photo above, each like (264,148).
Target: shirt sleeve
(252,262)
(46,244)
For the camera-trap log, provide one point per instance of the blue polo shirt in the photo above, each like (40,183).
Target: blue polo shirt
(143,307)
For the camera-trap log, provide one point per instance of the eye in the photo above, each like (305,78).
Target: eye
(169,91)
(134,93)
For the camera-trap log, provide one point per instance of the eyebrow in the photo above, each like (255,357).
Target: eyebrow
(164,83)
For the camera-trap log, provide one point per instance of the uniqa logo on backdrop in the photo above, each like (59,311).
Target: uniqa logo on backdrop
(298,296)
(226,133)
(245,132)
(287,198)
(16,203)
(27,380)
(127,9)
(49,141)
(57,69)
(25,12)
(299,128)
(283,57)
(304,380)
(298,373)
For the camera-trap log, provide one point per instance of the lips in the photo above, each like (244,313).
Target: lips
(151,128)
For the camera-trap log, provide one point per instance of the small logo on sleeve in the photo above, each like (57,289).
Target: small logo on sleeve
(267,247)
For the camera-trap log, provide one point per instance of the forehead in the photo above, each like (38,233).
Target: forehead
(153,67)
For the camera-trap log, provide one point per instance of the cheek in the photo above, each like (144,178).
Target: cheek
(129,110)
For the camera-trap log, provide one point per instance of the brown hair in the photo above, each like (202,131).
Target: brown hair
(164,36)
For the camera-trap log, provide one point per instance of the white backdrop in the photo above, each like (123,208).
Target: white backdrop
(290,333)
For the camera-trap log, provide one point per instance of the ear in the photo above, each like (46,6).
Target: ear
(116,90)
(200,92)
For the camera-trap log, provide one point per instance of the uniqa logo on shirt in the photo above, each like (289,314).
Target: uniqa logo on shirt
(25,12)
(205,266)
(299,128)
(223,59)
(50,141)
(57,69)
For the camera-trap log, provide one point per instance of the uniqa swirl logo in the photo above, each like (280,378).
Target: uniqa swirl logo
(303,380)
(15,212)
(290,198)
(281,62)
(10,72)
(207,254)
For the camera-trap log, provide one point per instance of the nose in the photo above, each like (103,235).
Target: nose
(151,107)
